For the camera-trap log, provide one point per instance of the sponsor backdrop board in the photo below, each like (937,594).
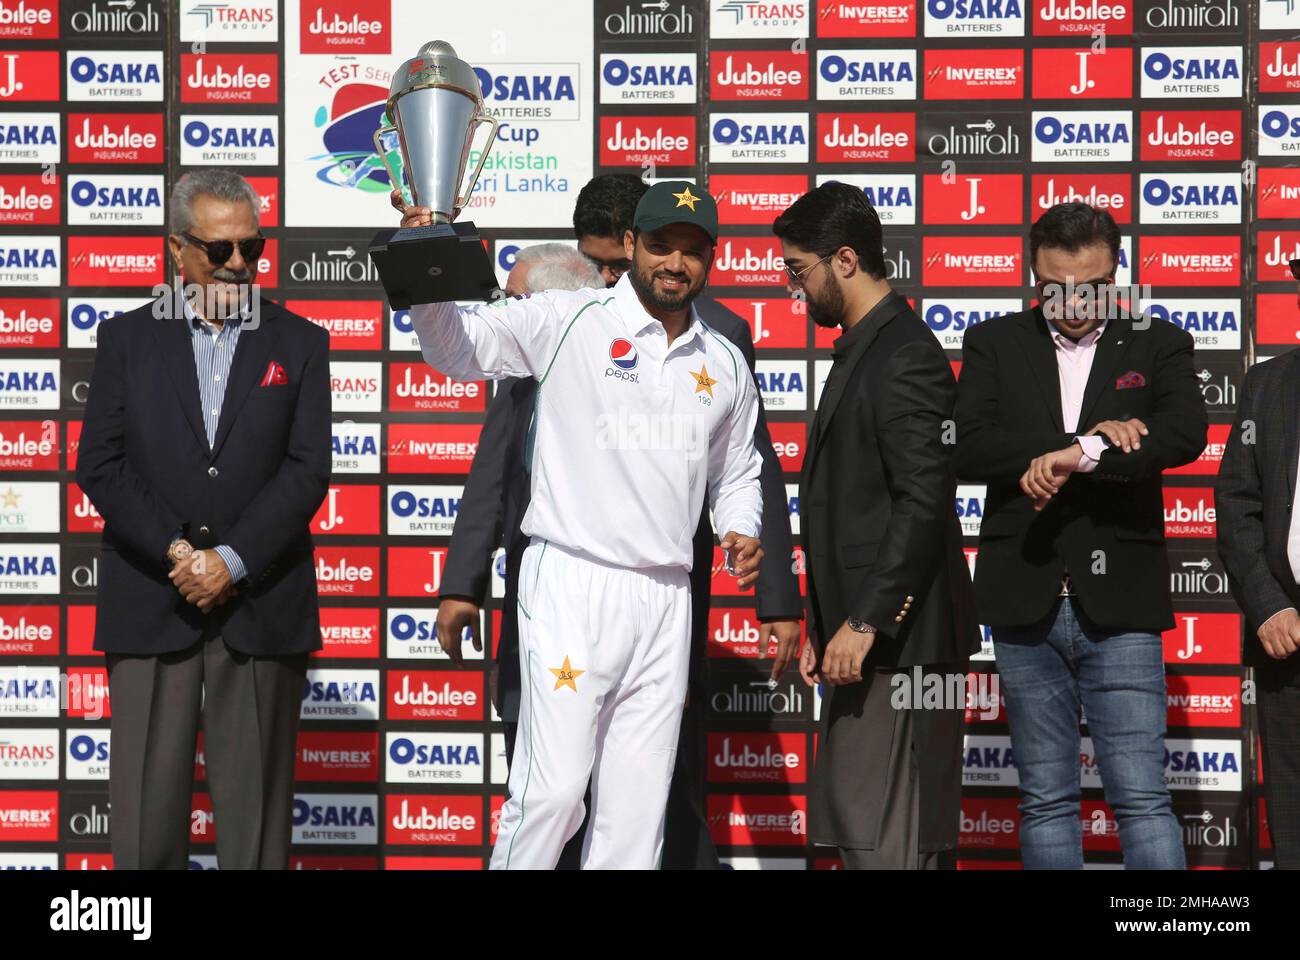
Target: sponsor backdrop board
(961,120)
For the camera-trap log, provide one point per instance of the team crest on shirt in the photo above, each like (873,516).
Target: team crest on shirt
(703,382)
(623,356)
(566,675)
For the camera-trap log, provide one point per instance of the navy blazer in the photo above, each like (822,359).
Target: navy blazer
(145,464)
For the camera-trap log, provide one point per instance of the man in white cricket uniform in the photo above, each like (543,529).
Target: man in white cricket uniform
(641,409)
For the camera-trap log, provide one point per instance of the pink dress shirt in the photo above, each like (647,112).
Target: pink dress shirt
(1073,364)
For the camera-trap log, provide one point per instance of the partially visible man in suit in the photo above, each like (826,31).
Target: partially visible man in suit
(1259,541)
(206,448)
(888,587)
(1069,412)
(496,497)
(551,266)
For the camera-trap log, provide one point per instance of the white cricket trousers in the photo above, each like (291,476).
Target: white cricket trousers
(603,656)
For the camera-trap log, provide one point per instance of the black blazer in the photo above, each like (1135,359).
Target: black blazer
(877,498)
(497,493)
(493,503)
(1254,496)
(144,462)
(1106,527)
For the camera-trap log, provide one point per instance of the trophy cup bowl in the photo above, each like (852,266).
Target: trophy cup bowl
(435,106)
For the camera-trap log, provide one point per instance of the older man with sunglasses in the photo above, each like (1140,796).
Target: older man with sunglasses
(206,448)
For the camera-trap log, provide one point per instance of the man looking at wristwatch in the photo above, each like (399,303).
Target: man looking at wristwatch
(1070,411)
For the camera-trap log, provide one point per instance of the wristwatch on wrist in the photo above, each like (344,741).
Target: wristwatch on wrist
(860,626)
(179,550)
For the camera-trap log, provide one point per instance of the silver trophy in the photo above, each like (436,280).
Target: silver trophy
(435,106)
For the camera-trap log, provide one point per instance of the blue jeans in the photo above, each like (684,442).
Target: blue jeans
(1048,670)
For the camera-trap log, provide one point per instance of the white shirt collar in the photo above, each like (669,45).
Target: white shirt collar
(636,317)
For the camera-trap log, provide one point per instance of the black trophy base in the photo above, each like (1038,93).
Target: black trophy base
(444,261)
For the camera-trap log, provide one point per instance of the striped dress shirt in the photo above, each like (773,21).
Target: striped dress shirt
(214,349)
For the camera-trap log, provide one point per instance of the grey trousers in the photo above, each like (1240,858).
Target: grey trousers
(249,707)
(885,738)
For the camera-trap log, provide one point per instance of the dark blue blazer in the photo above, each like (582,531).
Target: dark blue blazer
(144,462)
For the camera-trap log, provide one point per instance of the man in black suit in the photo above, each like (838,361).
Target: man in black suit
(888,587)
(496,497)
(1072,573)
(1259,541)
(206,448)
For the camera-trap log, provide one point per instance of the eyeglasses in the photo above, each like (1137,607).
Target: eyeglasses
(1295,268)
(220,251)
(1080,290)
(1068,299)
(796,277)
(618,266)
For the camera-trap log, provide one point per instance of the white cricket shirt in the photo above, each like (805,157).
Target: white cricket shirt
(630,432)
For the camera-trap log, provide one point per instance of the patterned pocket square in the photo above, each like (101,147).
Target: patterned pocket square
(1130,380)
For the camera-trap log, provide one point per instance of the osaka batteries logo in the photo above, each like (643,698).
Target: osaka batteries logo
(347,125)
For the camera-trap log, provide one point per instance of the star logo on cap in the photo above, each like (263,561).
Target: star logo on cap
(566,675)
(687,199)
(703,381)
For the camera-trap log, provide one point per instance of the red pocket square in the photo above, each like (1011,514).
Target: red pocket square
(1129,380)
(274,376)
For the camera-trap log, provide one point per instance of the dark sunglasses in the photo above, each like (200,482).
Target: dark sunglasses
(1295,268)
(220,251)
